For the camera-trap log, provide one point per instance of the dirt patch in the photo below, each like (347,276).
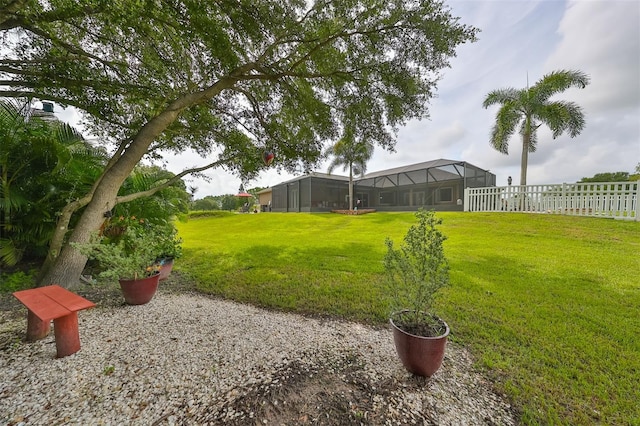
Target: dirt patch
(331,394)
(354,212)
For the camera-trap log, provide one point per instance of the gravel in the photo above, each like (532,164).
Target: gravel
(192,359)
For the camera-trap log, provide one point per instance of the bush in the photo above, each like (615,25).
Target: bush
(17,281)
(415,273)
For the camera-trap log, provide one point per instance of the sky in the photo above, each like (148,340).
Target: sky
(520,42)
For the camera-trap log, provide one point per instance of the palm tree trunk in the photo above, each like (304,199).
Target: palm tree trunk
(525,158)
(523,170)
(350,186)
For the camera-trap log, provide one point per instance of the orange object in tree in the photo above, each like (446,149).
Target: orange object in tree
(60,305)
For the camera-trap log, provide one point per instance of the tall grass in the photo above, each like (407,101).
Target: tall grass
(548,305)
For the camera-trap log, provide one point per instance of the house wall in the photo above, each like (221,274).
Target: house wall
(264,199)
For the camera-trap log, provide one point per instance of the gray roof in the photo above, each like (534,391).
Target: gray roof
(317,175)
(438,170)
(412,167)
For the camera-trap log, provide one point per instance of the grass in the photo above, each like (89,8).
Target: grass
(547,304)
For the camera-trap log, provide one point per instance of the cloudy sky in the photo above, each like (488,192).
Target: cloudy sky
(520,41)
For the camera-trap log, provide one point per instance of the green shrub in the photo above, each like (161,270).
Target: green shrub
(17,281)
(415,273)
(197,214)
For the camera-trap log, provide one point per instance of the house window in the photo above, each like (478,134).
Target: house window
(444,195)
(413,198)
(387,198)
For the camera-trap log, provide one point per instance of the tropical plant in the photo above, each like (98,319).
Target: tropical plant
(530,108)
(167,243)
(128,253)
(43,164)
(415,273)
(353,155)
(160,206)
(222,79)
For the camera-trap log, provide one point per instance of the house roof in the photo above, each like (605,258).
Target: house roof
(437,170)
(412,167)
(317,175)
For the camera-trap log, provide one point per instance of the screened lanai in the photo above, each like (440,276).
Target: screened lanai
(437,185)
(314,192)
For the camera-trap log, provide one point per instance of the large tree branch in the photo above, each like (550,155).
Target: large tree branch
(149,192)
(8,13)
(9,19)
(63,101)
(106,84)
(71,48)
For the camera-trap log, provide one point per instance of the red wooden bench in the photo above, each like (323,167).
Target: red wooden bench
(60,305)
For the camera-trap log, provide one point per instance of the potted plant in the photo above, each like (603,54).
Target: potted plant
(168,247)
(415,272)
(130,259)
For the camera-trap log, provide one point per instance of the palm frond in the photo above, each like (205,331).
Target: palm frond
(562,116)
(501,96)
(10,255)
(557,82)
(507,119)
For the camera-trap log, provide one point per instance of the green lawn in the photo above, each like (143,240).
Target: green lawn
(549,305)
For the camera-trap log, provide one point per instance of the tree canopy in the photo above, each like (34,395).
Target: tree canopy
(607,177)
(228,80)
(232,75)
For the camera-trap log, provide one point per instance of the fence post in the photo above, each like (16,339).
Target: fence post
(637,199)
(466,200)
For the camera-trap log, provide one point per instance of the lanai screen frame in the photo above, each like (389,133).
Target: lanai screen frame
(439,186)
(311,193)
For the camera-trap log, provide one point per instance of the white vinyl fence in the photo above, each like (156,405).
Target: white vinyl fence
(607,199)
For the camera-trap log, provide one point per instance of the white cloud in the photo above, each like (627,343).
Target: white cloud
(603,40)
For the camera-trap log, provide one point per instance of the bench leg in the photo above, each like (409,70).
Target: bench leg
(67,335)
(36,328)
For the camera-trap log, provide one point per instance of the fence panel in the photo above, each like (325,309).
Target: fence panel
(602,199)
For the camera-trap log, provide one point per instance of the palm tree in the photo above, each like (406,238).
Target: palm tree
(353,155)
(42,165)
(530,108)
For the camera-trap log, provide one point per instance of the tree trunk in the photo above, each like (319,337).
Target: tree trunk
(69,264)
(350,186)
(523,170)
(525,157)
(57,240)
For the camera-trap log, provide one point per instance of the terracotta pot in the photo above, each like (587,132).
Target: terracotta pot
(421,356)
(140,291)
(166,265)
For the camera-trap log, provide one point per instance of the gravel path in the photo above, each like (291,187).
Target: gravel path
(191,359)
